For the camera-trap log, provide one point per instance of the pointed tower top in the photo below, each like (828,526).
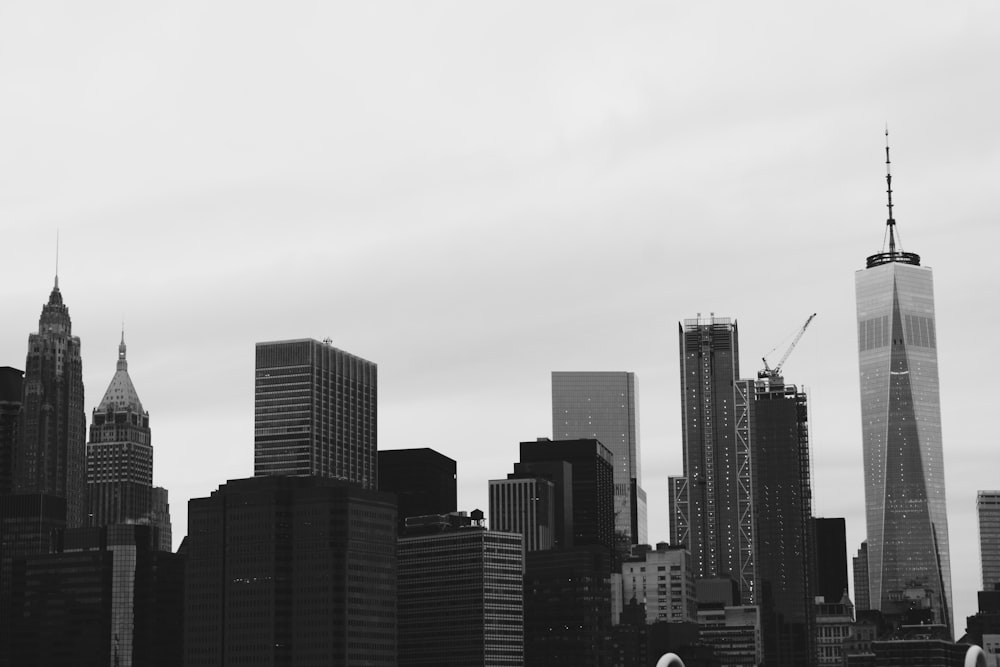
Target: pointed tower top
(56,288)
(893,255)
(122,363)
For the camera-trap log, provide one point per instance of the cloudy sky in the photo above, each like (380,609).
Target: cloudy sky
(475,195)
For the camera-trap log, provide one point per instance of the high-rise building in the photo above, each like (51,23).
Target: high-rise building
(103,596)
(50,456)
(119,454)
(461,598)
(423,480)
(988,509)
(861,588)
(603,405)
(711,506)
(592,487)
(291,571)
(901,432)
(831,558)
(11,389)
(524,505)
(315,412)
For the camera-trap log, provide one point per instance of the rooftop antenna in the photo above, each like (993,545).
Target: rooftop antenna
(891,222)
(57,258)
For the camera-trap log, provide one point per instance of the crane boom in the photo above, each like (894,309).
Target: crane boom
(776,371)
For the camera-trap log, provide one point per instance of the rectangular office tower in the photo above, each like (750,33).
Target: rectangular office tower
(291,571)
(901,435)
(603,405)
(711,506)
(988,509)
(315,412)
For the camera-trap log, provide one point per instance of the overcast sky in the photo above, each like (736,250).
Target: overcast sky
(475,195)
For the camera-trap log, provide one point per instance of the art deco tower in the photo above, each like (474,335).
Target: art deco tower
(120,457)
(901,421)
(51,451)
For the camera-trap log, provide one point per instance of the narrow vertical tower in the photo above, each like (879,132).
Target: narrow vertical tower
(908,562)
(120,454)
(50,453)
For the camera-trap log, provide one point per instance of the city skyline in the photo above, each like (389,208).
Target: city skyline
(473,223)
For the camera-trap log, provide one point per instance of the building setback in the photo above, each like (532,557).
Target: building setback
(906,516)
(461,599)
(120,459)
(50,456)
(603,405)
(315,412)
(291,571)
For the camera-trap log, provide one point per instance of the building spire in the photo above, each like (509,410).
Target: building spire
(891,222)
(57,261)
(122,363)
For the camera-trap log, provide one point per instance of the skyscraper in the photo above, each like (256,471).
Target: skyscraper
(831,558)
(988,509)
(603,405)
(423,480)
(11,389)
(711,506)
(901,433)
(525,505)
(119,454)
(50,456)
(315,412)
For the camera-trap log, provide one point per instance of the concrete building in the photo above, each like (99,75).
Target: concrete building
(662,582)
(291,571)
(461,597)
(315,412)
(906,515)
(120,460)
(834,621)
(604,406)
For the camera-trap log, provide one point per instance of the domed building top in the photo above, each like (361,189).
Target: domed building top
(121,394)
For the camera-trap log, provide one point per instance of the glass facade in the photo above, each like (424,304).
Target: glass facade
(901,428)
(988,509)
(315,412)
(603,405)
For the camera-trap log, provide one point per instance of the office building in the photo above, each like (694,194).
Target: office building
(988,509)
(11,388)
(461,597)
(603,405)
(315,412)
(104,596)
(711,506)
(525,506)
(906,517)
(424,481)
(831,558)
(592,487)
(50,456)
(291,571)
(662,582)
(834,621)
(733,632)
(560,474)
(782,508)
(860,566)
(120,458)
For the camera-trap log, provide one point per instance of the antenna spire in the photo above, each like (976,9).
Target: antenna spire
(891,222)
(57,259)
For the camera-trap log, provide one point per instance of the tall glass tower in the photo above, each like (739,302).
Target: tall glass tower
(908,562)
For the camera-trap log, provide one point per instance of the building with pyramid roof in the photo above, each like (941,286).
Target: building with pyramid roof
(120,460)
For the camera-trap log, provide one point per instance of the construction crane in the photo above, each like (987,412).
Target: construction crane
(775,372)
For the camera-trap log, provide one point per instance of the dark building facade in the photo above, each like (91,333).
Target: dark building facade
(592,486)
(831,558)
(461,598)
(782,499)
(291,571)
(104,596)
(50,456)
(120,459)
(424,481)
(315,412)
(711,506)
(603,405)
(11,389)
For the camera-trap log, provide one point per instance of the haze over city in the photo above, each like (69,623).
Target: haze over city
(473,197)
